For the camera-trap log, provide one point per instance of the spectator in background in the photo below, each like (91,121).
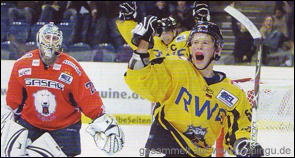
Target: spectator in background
(69,14)
(104,28)
(27,11)
(5,5)
(18,49)
(291,25)
(184,16)
(244,43)
(143,8)
(281,17)
(272,39)
(161,10)
(81,21)
(52,12)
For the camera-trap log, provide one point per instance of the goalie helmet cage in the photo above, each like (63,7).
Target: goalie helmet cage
(275,115)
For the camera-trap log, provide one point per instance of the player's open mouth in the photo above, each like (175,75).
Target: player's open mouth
(199,56)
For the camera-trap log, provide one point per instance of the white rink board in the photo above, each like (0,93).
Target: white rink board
(108,78)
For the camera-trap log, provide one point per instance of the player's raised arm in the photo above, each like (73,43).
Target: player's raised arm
(143,39)
(126,21)
(128,10)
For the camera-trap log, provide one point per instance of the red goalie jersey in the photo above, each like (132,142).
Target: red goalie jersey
(52,97)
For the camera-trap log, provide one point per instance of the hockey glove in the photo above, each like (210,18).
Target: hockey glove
(107,134)
(243,149)
(128,10)
(201,12)
(145,31)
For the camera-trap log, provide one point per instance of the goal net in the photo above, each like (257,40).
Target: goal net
(275,115)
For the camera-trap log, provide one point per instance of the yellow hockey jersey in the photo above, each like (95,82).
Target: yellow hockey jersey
(160,49)
(193,111)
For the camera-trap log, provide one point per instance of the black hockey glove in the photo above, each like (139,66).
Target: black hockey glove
(128,10)
(243,149)
(201,12)
(145,30)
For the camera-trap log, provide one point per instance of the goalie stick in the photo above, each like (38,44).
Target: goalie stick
(257,39)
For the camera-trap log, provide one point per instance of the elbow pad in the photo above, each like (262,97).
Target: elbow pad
(139,60)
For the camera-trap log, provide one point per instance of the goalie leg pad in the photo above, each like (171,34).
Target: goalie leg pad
(13,140)
(45,146)
(6,114)
(67,138)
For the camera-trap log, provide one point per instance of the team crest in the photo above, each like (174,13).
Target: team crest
(196,135)
(45,102)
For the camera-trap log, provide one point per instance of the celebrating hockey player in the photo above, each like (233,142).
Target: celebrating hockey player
(164,44)
(168,41)
(196,101)
(48,90)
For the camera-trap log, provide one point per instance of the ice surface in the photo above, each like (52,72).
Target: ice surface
(275,143)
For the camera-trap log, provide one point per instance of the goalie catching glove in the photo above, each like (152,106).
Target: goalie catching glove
(107,134)
(245,148)
(128,10)
(145,30)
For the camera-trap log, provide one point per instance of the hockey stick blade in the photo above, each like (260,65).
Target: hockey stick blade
(244,20)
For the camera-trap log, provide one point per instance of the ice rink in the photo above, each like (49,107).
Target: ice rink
(276,144)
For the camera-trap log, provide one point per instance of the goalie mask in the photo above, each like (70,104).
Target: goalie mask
(208,28)
(49,40)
